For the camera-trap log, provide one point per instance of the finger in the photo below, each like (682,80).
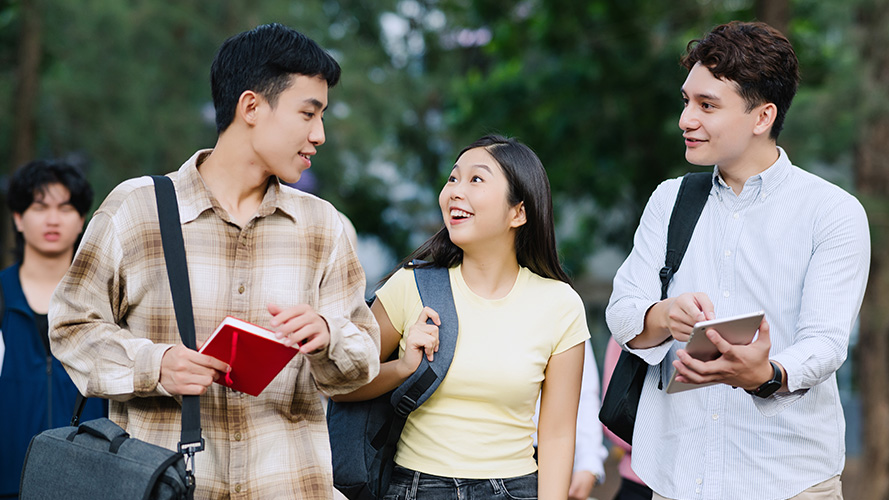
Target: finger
(764,333)
(426,314)
(705,305)
(282,316)
(689,366)
(210,362)
(314,343)
(721,344)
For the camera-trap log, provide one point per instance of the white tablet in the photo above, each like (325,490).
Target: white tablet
(738,330)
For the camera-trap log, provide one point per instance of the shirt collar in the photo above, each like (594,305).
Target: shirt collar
(767,180)
(195,198)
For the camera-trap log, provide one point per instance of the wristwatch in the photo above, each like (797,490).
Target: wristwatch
(771,386)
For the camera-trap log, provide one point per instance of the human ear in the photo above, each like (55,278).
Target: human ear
(765,118)
(519,218)
(17,219)
(247,106)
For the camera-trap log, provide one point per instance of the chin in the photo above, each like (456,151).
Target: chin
(696,159)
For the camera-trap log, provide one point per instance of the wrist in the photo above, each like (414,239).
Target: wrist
(403,368)
(771,385)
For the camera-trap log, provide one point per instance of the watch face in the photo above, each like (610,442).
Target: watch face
(768,389)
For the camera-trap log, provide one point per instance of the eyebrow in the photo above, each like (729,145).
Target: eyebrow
(479,165)
(316,103)
(702,96)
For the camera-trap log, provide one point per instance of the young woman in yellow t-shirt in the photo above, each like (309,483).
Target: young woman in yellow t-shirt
(521,331)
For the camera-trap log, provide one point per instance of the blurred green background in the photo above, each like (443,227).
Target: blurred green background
(122,88)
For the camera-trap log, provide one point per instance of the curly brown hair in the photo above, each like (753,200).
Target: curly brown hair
(757,58)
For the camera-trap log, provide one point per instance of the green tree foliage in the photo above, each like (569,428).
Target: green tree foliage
(592,86)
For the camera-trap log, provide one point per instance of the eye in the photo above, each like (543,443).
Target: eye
(685,101)
(309,114)
(451,178)
(476,178)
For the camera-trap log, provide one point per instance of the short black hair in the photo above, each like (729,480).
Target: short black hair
(264,60)
(34,178)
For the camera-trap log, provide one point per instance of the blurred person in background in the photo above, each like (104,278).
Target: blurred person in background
(48,201)
(589,449)
(631,487)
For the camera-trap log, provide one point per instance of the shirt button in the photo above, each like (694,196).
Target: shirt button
(715,416)
(241,289)
(237,436)
(237,488)
(726,294)
(697,490)
(699,480)
(728,253)
(736,215)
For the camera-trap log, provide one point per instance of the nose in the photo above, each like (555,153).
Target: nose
(52,216)
(688,120)
(316,135)
(451,191)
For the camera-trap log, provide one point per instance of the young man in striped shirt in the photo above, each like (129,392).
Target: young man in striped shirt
(773,237)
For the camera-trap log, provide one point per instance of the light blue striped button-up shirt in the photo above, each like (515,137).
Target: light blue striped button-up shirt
(794,246)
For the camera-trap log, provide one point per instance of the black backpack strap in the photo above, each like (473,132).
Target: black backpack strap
(693,194)
(173,243)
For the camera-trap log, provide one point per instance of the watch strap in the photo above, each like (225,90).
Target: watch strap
(770,386)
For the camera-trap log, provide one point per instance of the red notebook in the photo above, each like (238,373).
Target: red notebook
(254,353)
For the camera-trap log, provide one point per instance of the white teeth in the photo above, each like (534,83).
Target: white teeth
(456,212)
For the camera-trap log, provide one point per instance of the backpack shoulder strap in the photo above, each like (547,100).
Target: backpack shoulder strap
(693,194)
(434,284)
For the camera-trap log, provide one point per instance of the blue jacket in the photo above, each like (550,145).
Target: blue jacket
(36,391)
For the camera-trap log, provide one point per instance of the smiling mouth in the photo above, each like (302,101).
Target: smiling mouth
(458,214)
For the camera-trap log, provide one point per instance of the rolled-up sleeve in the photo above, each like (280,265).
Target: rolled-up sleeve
(353,357)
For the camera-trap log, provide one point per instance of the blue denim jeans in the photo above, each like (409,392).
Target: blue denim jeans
(408,484)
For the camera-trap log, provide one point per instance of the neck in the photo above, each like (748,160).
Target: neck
(40,274)
(237,180)
(490,274)
(757,161)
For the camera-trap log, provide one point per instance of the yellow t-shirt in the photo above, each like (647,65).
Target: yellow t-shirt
(478,423)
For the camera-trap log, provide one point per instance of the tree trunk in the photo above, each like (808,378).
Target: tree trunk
(872,180)
(28,79)
(25,98)
(775,13)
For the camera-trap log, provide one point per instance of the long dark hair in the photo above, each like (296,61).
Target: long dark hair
(535,240)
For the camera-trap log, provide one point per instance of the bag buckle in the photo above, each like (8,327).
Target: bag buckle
(405,406)
(189,449)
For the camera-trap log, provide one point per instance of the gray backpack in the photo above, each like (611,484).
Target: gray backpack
(364,434)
